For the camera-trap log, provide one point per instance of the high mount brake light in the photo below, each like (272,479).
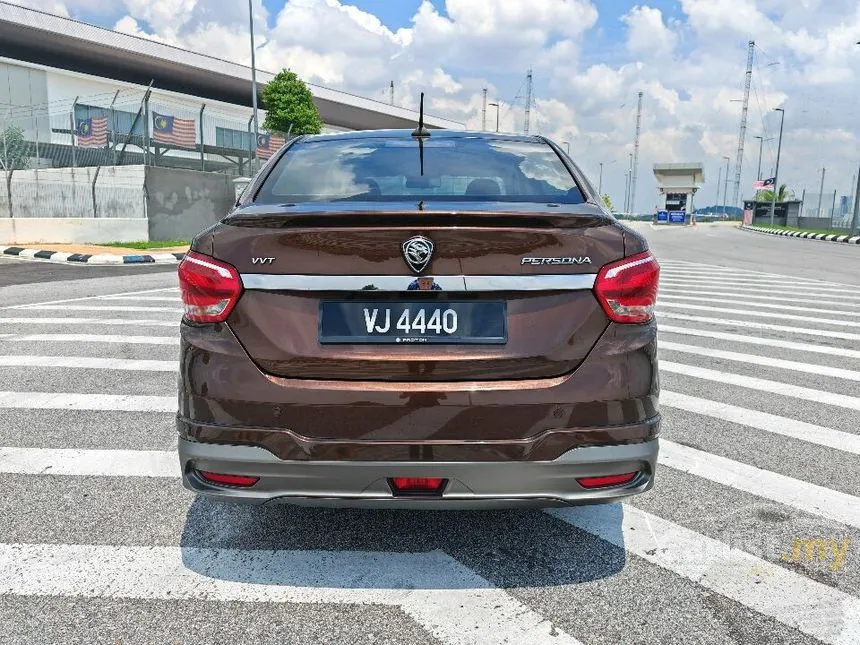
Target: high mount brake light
(210,288)
(627,289)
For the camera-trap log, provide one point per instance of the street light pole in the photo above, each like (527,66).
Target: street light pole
(496,105)
(776,172)
(253,74)
(726,191)
(719,181)
(600,181)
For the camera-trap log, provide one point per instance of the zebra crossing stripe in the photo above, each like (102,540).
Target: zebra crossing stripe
(445,597)
(823,612)
(89,463)
(91,338)
(752,324)
(120,322)
(760,314)
(94,402)
(87,363)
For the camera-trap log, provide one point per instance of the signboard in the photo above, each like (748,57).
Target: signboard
(676,202)
(662,216)
(677,217)
(749,209)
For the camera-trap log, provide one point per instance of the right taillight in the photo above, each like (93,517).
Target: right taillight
(627,289)
(210,288)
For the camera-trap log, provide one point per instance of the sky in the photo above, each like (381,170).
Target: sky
(589,58)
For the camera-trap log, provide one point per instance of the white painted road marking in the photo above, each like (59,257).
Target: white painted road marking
(123,293)
(787,287)
(105,308)
(823,612)
(85,463)
(445,597)
(760,314)
(87,363)
(92,338)
(69,401)
(760,340)
(838,305)
(764,361)
(125,322)
(761,305)
(751,324)
(801,430)
(763,385)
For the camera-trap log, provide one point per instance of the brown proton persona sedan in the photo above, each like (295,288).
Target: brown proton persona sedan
(419,319)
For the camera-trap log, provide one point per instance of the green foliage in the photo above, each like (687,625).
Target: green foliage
(767,195)
(289,102)
(607,201)
(14,149)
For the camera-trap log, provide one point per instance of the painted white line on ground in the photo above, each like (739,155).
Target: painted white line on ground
(175,299)
(748,324)
(823,612)
(729,278)
(122,293)
(841,311)
(763,385)
(92,338)
(103,402)
(105,308)
(683,265)
(445,597)
(90,321)
(772,423)
(89,463)
(798,494)
(757,340)
(787,286)
(89,363)
(760,314)
(696,288)
(764,361)
(840,304)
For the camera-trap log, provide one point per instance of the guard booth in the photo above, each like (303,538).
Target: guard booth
(677,184)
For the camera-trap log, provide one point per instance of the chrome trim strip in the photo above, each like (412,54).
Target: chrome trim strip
(399,283)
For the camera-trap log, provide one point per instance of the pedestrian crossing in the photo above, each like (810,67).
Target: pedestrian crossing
(751,532)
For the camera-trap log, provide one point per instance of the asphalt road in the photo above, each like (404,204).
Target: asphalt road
(99,543)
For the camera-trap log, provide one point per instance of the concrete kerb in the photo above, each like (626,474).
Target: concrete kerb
(86,258)
(824,237)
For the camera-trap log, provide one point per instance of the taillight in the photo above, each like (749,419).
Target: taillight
(627,289)
(210,288)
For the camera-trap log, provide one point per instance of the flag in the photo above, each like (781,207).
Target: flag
(764,184)
(176,132)
(92,132)
(269,144)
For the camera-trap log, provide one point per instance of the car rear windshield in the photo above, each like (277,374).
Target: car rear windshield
(395,169)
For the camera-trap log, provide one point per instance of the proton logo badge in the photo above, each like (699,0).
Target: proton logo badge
(417,251)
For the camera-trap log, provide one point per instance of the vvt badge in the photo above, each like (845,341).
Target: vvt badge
(417,251)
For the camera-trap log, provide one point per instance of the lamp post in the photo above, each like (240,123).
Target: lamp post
(600,181)
(253,74)
(776,171)
(726,190)
(719,181)
(496,105)
(567,147)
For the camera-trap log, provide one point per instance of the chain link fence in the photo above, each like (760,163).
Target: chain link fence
(827,211)
(86,158)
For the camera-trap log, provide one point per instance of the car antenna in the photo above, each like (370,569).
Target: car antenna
(421,131)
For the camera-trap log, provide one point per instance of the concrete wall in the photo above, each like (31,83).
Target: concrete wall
(68,192)
(181,203)
(39,230)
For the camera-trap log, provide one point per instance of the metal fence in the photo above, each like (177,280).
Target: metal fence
(828,210)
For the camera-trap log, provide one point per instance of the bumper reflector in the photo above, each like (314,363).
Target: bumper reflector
(240,481)
(417,485)
(605,481)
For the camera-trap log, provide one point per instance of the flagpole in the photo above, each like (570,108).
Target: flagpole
(253,74)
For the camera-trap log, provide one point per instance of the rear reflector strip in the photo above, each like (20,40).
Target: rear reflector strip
(417,485)
(606,480)
(222,479)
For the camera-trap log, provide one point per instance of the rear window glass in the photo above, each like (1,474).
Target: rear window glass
(387,169)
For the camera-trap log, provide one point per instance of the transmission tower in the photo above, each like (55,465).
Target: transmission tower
(742,134)
(636,156)
(528,102)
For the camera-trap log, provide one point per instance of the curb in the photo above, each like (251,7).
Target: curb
(83,258)
(825,237)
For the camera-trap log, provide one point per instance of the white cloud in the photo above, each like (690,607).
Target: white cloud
(647,34)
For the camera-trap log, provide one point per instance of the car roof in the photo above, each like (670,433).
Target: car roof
(434,134)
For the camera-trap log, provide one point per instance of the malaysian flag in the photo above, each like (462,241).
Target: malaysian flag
(173,131)
(92,132)
(269,144)
(764,184)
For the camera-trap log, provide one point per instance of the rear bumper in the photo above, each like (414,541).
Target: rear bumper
(471,485)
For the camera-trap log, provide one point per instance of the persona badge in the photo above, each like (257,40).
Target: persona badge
(417,251)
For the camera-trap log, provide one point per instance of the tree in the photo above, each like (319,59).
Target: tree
(767,195)
(14,149)
(290,106)
(607,201)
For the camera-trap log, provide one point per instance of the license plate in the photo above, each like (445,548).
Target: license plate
(449,323)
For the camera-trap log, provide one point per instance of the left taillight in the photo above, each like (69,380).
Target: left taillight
(210,288)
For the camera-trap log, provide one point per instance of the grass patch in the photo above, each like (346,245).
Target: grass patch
(825,231)
(156,244)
